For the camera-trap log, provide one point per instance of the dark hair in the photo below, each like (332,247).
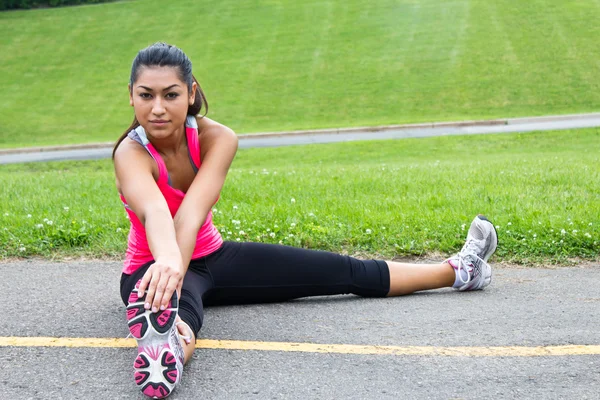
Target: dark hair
(165,55)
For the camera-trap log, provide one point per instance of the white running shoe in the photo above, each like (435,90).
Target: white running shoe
(159,363)
(471,261)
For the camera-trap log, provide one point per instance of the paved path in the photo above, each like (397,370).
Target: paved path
(532,334)
(342,135)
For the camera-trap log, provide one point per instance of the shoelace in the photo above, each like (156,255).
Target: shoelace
(186,338)
(468,247)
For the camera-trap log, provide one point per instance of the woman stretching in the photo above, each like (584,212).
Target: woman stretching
(170,166)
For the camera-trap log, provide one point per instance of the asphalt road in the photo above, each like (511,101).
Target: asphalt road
(523,307)
(331,136)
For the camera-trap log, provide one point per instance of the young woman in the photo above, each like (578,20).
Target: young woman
(170,166)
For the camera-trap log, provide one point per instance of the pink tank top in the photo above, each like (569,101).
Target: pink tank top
(208,240)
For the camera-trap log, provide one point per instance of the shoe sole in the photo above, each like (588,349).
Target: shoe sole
(155,367)
(495,238)
(487,277)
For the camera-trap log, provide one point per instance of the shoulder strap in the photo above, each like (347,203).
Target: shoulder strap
(191,131)
(139,135)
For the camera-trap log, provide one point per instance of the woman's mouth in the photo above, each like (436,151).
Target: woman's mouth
(159,122)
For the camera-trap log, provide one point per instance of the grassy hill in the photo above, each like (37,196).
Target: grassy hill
(279,65)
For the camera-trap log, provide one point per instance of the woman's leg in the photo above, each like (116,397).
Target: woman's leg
(255,272)
(258,272)
(410,278)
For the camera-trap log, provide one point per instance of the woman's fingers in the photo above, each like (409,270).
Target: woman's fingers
(160,282)
(146,279)
(170,288)
(159,292)
(152,288)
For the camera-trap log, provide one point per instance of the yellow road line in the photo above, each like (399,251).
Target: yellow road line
(461,351)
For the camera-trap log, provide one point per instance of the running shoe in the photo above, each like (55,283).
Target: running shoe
(471,261)
(159,363)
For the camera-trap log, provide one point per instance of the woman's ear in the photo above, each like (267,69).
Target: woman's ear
(193,94)
(130,95)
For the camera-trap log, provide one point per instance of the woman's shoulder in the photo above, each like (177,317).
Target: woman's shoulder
(209,127)
(129,147)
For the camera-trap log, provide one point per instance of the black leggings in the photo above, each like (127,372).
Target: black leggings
(246,272)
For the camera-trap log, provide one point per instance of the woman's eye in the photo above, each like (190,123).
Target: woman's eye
(172,95)
(145,95)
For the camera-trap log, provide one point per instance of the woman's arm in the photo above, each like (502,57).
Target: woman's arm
(218,145)
(134,171)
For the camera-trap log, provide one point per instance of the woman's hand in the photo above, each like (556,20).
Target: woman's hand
(161,280)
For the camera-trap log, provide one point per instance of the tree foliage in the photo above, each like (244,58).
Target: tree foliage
(26,4)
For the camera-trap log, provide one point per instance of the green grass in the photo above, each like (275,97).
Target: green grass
(381,198)
(278,65)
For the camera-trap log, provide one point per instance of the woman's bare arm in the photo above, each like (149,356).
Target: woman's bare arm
(218,145)
(134,170)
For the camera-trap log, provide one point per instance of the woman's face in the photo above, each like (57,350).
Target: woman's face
(160,100)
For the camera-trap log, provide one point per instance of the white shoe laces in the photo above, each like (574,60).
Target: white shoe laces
(186,338)
(470,249)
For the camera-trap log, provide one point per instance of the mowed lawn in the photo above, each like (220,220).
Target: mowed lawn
(287,65)
(413,197)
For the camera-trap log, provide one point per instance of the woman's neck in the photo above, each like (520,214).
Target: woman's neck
(171,144)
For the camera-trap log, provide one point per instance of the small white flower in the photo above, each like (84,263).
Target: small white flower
(272,234)
(66,208)
(311,214)
(49,222)
(214,210)
(507,231)
(237,239)
(242,233)
(28,215)
(497,227)
(119,229)
(368,231)
(293,200)
(22,248)
(571,223)
(275,226)
(6,214)
(291,235)
(383,228)
(292,225)
(268,229)
(590,224)
(575,231)
(229,232)
(534,235)
(462,227)
(563,232)
(587,235)
(509,224)
(235,207)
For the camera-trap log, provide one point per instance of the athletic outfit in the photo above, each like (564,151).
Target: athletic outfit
(233,272)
